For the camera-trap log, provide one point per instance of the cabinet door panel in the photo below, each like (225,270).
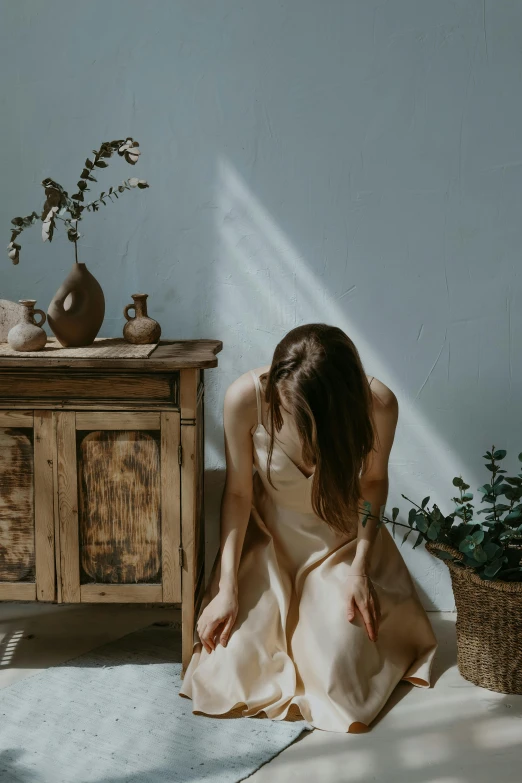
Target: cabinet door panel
(17,550)
(119,506)
(119,509)
(26,506)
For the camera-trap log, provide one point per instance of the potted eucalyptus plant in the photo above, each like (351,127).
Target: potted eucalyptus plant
(483,549)
(77,310)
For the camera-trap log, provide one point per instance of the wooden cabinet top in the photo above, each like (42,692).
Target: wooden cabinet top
(169,355)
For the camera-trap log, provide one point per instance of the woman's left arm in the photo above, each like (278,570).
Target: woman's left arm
(374,492)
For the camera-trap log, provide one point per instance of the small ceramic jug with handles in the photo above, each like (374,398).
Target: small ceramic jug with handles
(28,335)
(140,329)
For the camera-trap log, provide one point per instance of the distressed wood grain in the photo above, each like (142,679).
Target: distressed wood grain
(199,467)
(17,591)
(56,500)
(16,419)
(170,506)
(169,355)
(119,500)
(117,420)
(44,505)
(188,397)
(121,594)
(17,551)
(83,385)
(68,506)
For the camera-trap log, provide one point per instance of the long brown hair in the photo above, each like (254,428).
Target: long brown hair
(318,370)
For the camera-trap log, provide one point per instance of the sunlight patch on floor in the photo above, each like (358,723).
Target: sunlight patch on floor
(8,646)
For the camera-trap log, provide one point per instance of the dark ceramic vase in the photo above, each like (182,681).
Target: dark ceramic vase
(76,312)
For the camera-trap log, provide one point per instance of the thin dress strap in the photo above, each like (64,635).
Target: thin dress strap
(373,377)
(258,396)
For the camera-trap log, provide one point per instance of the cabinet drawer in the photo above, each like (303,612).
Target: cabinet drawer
(77,388)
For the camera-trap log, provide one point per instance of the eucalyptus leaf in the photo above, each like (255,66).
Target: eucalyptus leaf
(433,531)
(418,541)
(479,555)
(467,545)
(499,454)
(492,550)
(493,568)
(445,555)
(425,502)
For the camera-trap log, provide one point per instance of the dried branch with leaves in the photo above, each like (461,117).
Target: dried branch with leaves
(58,203)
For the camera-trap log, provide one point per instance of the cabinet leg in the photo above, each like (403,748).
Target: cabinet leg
(187,634)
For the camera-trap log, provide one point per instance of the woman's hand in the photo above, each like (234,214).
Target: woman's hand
(363,597)
(217,618)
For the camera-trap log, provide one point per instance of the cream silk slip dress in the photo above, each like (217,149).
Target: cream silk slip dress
(292,643)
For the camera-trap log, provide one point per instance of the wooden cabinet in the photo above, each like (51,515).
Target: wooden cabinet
(101,479)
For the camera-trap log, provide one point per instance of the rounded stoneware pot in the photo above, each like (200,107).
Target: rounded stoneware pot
(76,312)
(28,335)
(140,329)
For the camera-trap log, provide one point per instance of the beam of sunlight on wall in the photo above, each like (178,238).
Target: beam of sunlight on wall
(264,288)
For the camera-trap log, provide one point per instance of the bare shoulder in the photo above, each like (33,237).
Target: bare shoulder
(240,398)
(384,400)
(241,393)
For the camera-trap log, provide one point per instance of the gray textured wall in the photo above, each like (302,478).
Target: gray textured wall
(353,162)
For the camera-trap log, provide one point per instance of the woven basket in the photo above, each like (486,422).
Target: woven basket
(489,626)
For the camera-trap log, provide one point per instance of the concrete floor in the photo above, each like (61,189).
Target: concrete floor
(451,733)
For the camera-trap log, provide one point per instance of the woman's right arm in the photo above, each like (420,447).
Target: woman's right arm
(218,617)
(237,495)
